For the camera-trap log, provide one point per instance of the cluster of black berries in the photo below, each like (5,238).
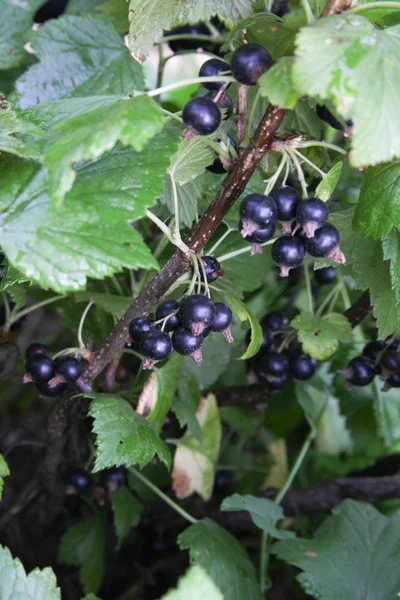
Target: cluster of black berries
(50,376)
(190,322)
(202,116)
(378,358)
(79,482)
(311,232)
(274,368)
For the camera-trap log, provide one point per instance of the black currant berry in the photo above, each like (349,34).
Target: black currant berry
(325,243)
(274,365)
(286,199)
(360,371)
(390,363)
(277,383)
(164,310)
(51,391)
(196,313)
(325,276)
(249,62)
(302,366)
(373,349)
(212,269)
(256,211)
(113,478)
(69,368)
(213,68)
(217,166)
(39,367)
(139,326)
(259,237)
(288,252)
(392,381)
(311,214)
(202,116)
(188,44)
(78,479)
(222,321)
(325,115)
(275,321)
(224,102)
(187,344)
(35,349)
(155,345)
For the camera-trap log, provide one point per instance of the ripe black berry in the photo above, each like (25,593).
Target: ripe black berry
(68,367)
(390,363)
(201,115)
(213,68)
(325,115)
(164,310)
(249,62)
(274,365)
(217,166)
(40,367)
(187,344)
(35,349)
(287,200)
(196,313)
(277,383)
(302,366)
(212,268)
(222,321)
(256,211)
(259,237)
(224,102)
(392,381)
(311,214)
(188,44)
(325,275)
(325,243)
(139,326)
(360,371)
(55,390)
(275,320)
(288,252)
(155,345)
(113,478)
(79,479)
(373,349)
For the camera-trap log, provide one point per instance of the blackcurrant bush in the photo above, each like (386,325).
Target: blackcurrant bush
(288,252)
(302,366)
(217,166)
(201,115)
(325,115)
(212,269)
(224,102)
(187,344)
(55,390)
(311,214)
(286,200)
(274,365)
(196,313)
(213,68)
(275,320)
(325,243)
(139,326)
(360,371)
(188,44)
(68,367)
(35,349)
(113,478)
(325,275)
(259,237)
(40,367)
(79,480)
(155,345)
(249,62)
(256,211)
(373,349)
(222,321)
(164,310)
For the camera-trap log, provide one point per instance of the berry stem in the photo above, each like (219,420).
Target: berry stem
(309,162)
(203,270)
(81,322)
(163,496)
(241,251)
(308,12)
(312,143)
(272,180)
(329,298)
(179,84)
(221,239)
(176,241)
(308,288)
(171,115)
(251,118)
(196,275)
(299,170)
(21,313)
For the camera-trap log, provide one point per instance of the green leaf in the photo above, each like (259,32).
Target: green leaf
(353,556)
(185,404)
(264,513)
(126,511)
(191,159)
(4,472)
(232,10)
(70,67)
(376,11)
(10,277)
(114,305)
(16,584)
(188,196)
(391,251)
(16,20)
(84,546)
(196,585)
(216,357)
(333,437)
(320,336)
(112,11)
(276,84)
(194,460)
(378,208)
(19,137)
(133,122)
(123,436)
(387,413)
(223,558)
(159,390)
(328,183)
(268,31)
(91,597)
(244,314)
(302,119)
(355,65)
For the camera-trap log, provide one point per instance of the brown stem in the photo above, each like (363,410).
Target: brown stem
(111,374)
(334,7)
(241,119)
